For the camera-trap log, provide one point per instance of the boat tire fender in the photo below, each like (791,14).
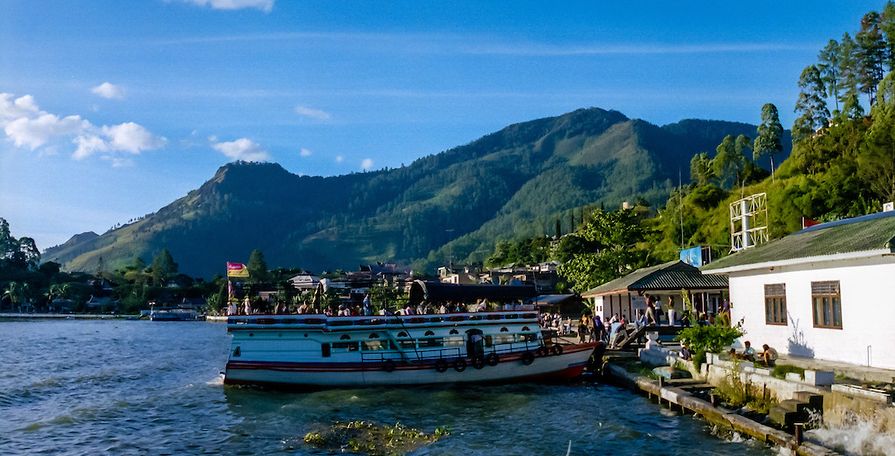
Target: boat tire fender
(557,350)
(460,365)
(441,365)
(492,359)
(528,358)
(388,365)
(478,362)
(541,351)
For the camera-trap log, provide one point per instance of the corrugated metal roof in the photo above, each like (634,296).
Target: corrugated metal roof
(866,233)
(674,275)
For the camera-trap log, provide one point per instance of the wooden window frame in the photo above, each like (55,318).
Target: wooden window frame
(775,299)
(831,299)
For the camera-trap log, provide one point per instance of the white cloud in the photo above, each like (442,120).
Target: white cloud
(366,164)
(313,113)
(339,159)
(304,152)
(109,91)
(26,125)
(263,5)
(241,149)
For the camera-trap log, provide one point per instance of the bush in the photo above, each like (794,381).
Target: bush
(709,338)
(781,370)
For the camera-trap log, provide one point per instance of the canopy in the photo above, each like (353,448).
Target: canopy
(433,292)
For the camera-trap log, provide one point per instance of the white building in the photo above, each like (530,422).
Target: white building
(826,292)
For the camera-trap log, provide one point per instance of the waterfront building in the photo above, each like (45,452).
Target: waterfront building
(825,292)
(626,295)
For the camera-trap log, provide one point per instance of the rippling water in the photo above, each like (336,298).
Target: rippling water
(134,387)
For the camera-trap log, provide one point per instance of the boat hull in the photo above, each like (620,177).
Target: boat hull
(510,368)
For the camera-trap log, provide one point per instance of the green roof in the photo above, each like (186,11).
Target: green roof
(868,233)
(674,275)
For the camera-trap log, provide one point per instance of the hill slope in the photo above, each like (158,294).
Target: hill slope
(457,203)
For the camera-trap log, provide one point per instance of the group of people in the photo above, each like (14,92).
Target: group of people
(767,357)
(365,308)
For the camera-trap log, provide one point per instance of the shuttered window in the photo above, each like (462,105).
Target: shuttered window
(827,304)
(775,304)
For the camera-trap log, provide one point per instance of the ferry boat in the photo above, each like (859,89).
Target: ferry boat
(471,347)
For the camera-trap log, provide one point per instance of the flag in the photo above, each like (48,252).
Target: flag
(237,270)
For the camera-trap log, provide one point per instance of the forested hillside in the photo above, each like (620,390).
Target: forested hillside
(507,185)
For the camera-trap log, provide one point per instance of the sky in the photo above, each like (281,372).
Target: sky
(110,110)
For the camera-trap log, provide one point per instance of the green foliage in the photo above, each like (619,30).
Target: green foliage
(811,105)
(769,142)
(373,439)
(257,266)
(709,338)
(701,170)
(163,267)
(524,251)
(17,254)
(780,370)
(737,393)
(612,246)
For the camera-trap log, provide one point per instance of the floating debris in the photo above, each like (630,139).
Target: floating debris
(372,438)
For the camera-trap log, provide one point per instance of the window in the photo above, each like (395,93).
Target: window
(827,304)
(775,304)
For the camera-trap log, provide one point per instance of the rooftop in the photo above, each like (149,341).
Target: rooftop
(859,236)
(674,275)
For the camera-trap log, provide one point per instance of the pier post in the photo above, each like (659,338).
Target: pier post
(713,399)
(797,432)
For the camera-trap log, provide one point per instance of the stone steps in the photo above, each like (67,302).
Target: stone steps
(791,411)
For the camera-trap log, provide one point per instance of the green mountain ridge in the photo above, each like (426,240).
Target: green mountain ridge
(455,204)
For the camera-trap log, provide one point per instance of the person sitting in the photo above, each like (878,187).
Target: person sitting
(685,353)
(769,356)
(732,353)
(748,352)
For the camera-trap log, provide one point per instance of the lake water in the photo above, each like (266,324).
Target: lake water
(135,387)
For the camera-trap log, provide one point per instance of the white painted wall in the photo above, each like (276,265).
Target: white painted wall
(867,288)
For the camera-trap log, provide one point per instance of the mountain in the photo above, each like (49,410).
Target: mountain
(456,203)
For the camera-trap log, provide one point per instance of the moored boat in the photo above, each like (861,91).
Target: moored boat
(174,314)
(321,351)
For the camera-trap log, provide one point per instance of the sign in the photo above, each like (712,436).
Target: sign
(890,206)
(237,270)
(692,256)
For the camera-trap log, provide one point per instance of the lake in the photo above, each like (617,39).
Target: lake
(139,387)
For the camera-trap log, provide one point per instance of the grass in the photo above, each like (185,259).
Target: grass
(781,370)
(737,393)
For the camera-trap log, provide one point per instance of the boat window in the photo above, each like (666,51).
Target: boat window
(504,329)
(372,345)
(454,341)
(325,350)
(344,346)
(407,344)
(454,331)
(429,333)
(374,336)
(402,334)
(345,337)
(431,342)
(526,337)
(504,339)
(489,340)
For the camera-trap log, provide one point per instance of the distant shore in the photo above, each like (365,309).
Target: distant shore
(57,316)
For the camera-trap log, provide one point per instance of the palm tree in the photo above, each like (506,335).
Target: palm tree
(14,293)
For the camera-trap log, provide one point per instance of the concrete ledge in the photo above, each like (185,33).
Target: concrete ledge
(875,395)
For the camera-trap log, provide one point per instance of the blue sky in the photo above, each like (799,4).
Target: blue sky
(112,109)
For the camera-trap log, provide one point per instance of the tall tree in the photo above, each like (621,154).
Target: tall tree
(829,70)
(887,25)
(770,135)
(811,105)
(729,162)
(701,170)
(849,75)
(876,160)
(257,266)
(872,54)
(163,267)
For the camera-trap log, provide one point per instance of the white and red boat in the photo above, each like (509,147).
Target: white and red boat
(321,351)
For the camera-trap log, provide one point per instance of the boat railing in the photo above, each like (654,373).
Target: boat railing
(381,320)
(420,355)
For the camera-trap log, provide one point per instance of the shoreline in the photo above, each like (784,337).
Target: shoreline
(57,316)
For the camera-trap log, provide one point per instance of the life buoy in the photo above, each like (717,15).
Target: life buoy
(492,359)
(388,365)
(557,350)
(460,365)
(528,358)
(541,351)
(441,365)
(478,362)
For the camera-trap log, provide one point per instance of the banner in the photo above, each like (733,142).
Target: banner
(692,256)
(237,270)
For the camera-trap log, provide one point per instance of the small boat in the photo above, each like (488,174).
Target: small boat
(175,314)
(321,351)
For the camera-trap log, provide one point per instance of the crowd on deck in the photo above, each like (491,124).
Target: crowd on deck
(366,308)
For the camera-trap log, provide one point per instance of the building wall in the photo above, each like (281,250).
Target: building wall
(867,290)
